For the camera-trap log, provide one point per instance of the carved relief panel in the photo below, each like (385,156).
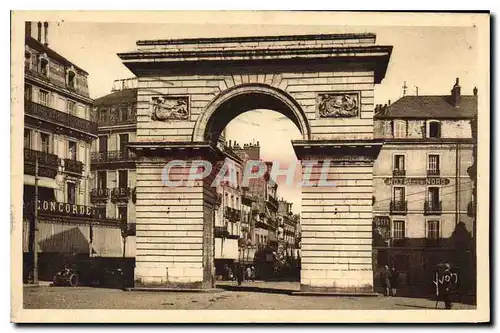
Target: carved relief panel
(166,108)
(338,104)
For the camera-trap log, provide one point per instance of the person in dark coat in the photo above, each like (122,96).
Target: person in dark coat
(394,281)
(446,286)
(239,272)
(386,280)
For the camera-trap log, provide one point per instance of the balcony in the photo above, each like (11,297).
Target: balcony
(73,166)
(432,242)
(433,172)
(46,113)
(118,118)
(112,156)
(399,207)
(120,194)
(47,163)
(232,214)
(397,242)
(432,208)
(99,194)
(398,173)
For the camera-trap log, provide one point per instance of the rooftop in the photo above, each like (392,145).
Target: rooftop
(117,97)
(35,44)
(426,107)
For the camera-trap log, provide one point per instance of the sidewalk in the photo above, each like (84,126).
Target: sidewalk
(40,284)
(272,287)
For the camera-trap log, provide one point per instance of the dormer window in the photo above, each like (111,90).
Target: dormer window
(399,129)
(27,60)
(71,79)
(44,67)
(434,129)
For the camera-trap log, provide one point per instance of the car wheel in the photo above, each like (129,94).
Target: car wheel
(73,280)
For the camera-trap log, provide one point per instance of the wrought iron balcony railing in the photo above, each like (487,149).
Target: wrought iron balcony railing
(112,156)
(435,172)
(47,163)
(398,173)
(399,207)
(60,118)
(432,207)
(73,166)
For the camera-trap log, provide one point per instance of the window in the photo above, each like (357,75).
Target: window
(71,193)
(433,196)
(399,194)
(45,142)
(433,230)
(122,178)
(123,142)
(71,105)
(71,79)
(100,212)
(27,138)
(44,67)
(103,114)
(399,129)
(72,150)
(433,163)
(102,179)
(123,114)
(28,92)
(43,97)
(103,143)
(399,162)
(399,229)
(434,129)
(122,213)
(27,61)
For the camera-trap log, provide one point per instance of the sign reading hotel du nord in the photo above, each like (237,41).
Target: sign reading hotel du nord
(417,181)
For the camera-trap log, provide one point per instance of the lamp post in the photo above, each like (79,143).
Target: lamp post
(35,227)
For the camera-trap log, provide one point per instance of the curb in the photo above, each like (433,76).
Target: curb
(333,294)
(175,290)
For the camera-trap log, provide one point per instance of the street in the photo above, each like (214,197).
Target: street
(45,297)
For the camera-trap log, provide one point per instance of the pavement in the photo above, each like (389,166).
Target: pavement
(228,298)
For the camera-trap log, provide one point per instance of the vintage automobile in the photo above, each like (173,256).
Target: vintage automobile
(67,277)
(90,274)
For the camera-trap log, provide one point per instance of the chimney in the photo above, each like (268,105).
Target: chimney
(39,32)
(46,33)
(27,29)
(389,102)
(455,94)
(474,91)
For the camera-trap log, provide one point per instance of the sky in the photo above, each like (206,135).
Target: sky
(430,58)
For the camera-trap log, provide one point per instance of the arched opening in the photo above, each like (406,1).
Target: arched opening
(240,99)
(256,225)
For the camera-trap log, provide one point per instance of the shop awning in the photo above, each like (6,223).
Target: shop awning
(42,182)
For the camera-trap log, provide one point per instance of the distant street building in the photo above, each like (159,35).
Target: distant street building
(113,166)
(423,211)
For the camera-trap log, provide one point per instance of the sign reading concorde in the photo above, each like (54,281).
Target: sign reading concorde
(66,209)
(417,181)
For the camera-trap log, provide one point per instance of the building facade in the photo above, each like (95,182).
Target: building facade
(59,129)
(422,190)
(113,168)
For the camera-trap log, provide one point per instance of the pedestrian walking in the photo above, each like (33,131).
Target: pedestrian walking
(239,272)
(253,273)
(249,273)
(394,281)
(446,286)
(386,280)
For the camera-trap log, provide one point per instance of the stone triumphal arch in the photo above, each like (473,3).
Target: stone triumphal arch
(190,89)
